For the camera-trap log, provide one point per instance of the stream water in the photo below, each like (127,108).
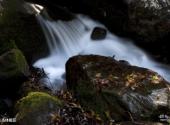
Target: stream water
(66,39)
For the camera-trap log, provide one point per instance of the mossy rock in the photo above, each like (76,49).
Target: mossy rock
(35,108)
(13,64)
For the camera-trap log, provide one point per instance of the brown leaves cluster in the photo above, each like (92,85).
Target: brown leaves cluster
(72,113)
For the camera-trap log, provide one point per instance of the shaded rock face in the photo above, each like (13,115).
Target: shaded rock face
(98,33)
(20,26)
(148,25)
(106,85)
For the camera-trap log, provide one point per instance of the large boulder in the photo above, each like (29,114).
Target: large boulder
(35,108)
(116,89)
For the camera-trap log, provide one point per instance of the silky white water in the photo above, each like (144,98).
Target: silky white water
(66,39)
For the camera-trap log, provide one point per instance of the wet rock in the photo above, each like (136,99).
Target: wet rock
(98,33)
(106,85)
(35,108)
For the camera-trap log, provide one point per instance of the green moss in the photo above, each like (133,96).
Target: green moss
(36,103)
(20,61)
(13,64)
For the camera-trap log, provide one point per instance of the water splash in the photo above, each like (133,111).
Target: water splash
(66,39)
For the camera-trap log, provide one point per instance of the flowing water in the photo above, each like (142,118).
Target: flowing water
(66,39)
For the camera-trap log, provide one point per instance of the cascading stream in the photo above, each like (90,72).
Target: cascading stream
(66,39)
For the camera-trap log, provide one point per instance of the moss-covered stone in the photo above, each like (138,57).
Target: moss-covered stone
(35,107)
(104,84)
(13,64)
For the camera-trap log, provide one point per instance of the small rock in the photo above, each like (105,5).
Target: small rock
(98,33)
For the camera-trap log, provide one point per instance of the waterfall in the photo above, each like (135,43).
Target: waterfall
(68,38)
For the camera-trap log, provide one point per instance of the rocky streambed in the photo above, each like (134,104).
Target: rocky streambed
(100,90)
